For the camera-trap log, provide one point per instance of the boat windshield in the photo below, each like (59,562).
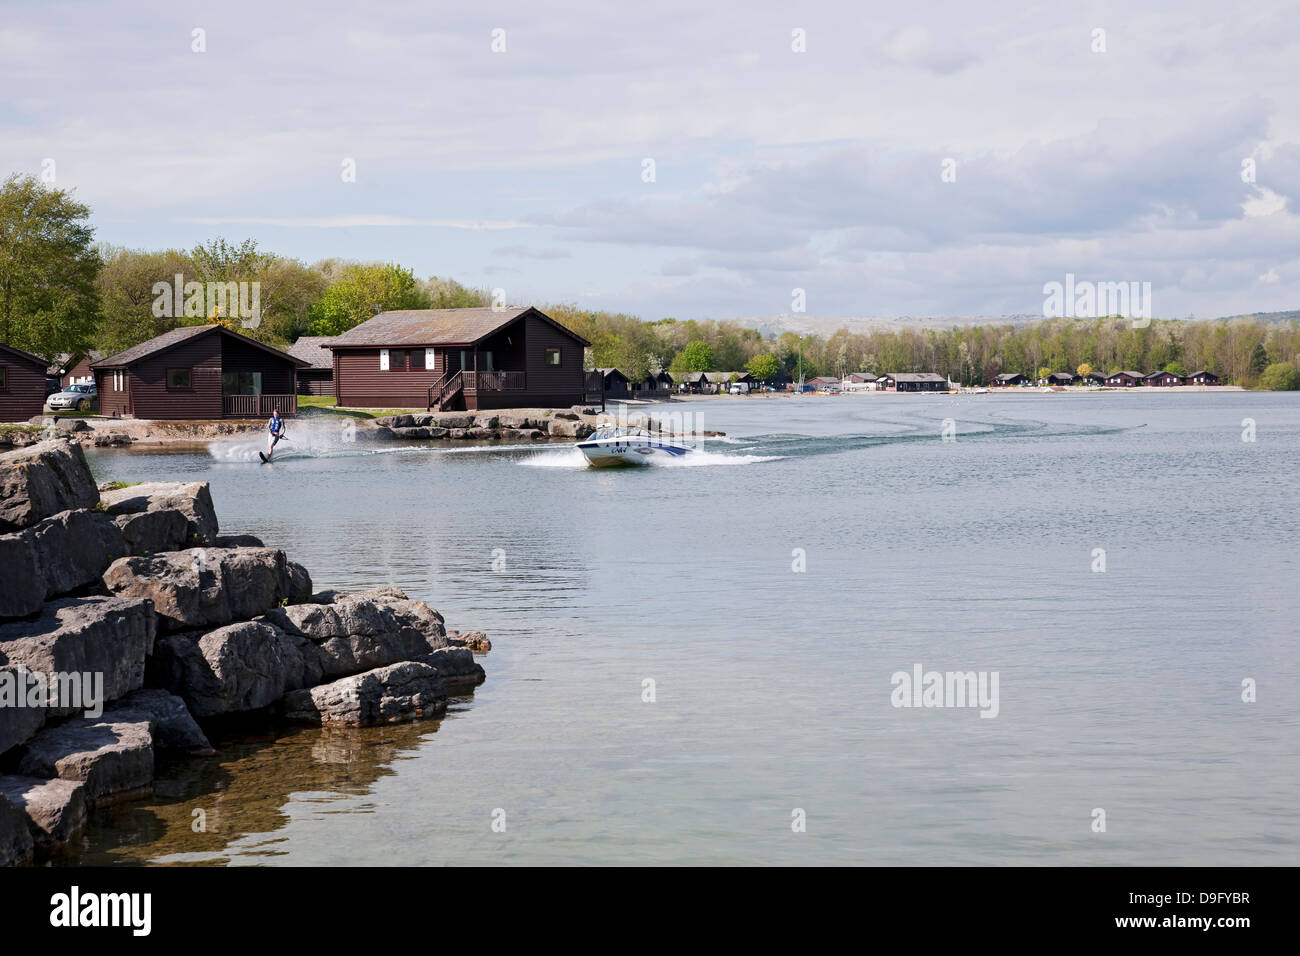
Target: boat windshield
(616,431)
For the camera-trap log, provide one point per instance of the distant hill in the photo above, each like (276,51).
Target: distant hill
(1292,316)
(828,325)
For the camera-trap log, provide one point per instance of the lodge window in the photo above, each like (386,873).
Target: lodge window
(4,379)
(396,360)
(241,383)
(417,359)
(178,378)
(552,356)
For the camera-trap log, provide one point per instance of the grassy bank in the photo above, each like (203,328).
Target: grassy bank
(313,406)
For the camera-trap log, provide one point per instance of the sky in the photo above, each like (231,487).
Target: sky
(687,159)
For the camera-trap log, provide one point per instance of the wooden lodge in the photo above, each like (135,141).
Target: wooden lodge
(22,384)
(1010,378)
(654,385)
(1202,377)
(1062,378)
(1094,378)
(616,384)
(198,372)
(912,382)
(317,376)
(461,359)
(1124,379)
(74,368)
(1163,379)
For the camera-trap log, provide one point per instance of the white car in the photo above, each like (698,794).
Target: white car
(79,397)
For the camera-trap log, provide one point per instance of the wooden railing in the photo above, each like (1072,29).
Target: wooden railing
(259,406)
(494,381)
(435,392)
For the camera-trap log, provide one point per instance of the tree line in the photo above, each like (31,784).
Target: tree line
(62,292)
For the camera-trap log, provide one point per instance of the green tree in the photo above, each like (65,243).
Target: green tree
(1280,377)
(362,292)
(1175,368)
(48,267)
(696,357)
(1044,372)
(1258,359)
(764,367)
(127,296)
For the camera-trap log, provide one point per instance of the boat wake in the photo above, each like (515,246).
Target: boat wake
(572,458)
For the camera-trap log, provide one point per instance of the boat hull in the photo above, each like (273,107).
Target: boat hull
(627,454)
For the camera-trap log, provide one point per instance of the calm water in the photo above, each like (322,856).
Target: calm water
(1118,690)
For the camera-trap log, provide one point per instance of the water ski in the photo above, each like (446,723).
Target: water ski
(265,460)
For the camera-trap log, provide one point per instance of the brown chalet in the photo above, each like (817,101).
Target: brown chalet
(198,372)
(22,384)
(459,359)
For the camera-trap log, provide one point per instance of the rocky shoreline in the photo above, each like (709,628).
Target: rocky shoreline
(128,622)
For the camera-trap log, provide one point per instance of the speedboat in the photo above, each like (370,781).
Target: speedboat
(612,446)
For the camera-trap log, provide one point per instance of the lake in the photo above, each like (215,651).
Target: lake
(771,590)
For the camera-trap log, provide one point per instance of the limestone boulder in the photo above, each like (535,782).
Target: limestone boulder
(173,726)
(390,694)
(207,587)
(239,667)
(114,760)
(42,480)
(22,586)
(74,548)
(55,809)
(149,532)
(19,721)
(193,500)
(456,666)
(16,846)
(97,638)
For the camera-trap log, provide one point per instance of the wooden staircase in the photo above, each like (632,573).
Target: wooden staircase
(443,392)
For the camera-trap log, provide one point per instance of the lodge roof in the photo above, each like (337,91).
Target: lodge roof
(178,336)
(915,376)
(313,349)
(24,356)
(402,327)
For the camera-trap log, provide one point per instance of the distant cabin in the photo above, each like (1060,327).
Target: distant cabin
(1010,378)
(1202,377)
(1062,378)
(198,372)
(913,382)
(1163,379)
(1095,378)
(73,368)
(654,385)
(617,384)
(1124,379)
(858,380)
(461,359)
(317,376)
(22,384)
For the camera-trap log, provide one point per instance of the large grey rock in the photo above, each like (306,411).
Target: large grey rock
(206,587)
(19,722)
(456,666)
(385,695)
(22,587)
(566,429)
(240,667)
(73,549)
(106,637)
(522,434)
(16,847)
(149,532)
(174,727)
(55,809)
(42,480)
(456,421)
(193,500)
(476,641)
(359,633)
(113,759)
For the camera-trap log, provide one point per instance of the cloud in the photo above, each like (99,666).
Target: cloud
(525,252)
(916,47)
(350,221)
